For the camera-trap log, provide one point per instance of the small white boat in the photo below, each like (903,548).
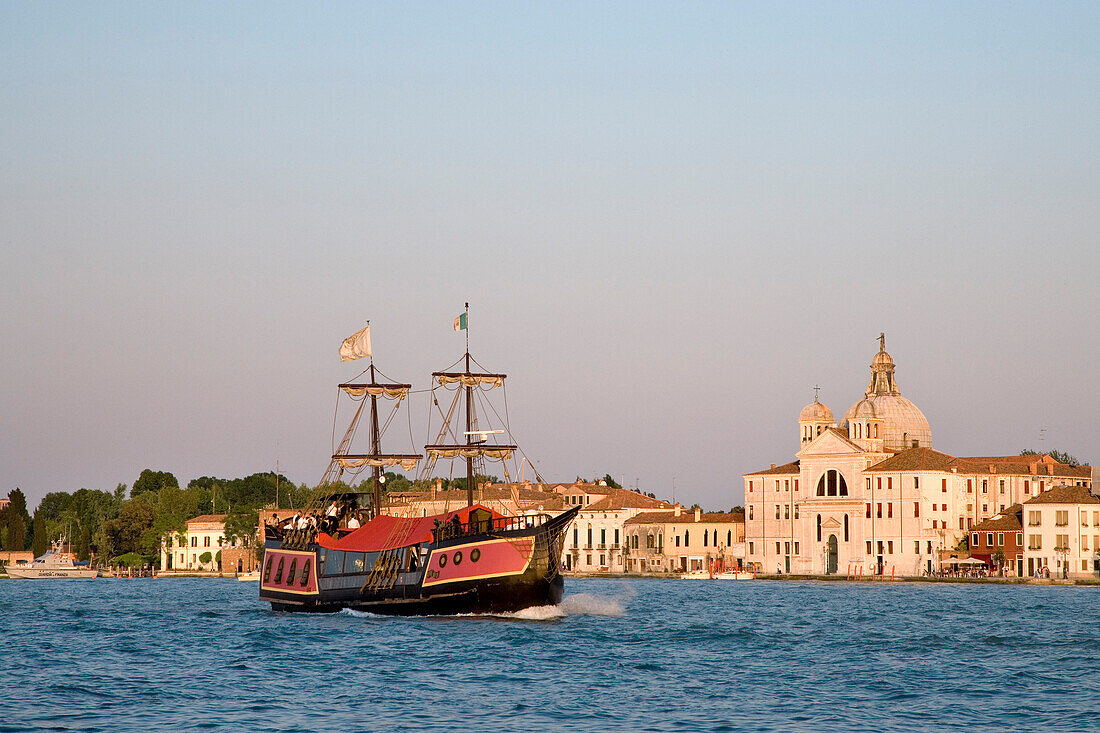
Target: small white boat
(249,576)
(725,575)
(54,564)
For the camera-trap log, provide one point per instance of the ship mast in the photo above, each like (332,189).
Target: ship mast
(469,428)
(470,449)
(376,459)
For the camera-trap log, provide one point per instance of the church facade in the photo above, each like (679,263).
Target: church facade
(869,495)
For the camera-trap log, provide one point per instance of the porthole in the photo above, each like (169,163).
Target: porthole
(442,561)
(475,554)
(458,557)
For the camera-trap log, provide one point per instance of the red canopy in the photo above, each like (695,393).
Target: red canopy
(387,533)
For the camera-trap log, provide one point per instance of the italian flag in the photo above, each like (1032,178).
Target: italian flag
(460,323)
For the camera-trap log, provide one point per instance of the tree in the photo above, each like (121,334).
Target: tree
(154,481)
(1060,456)
(129,531)
(612,483)
(38,539)
(205,557)
(84,544)
(15,520)
(242,527)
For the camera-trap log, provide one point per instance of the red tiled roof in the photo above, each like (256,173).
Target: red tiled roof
(1006,521)
(625,499)
(915,459)
(785,469)
(686,517)
(1065,495)
(207,518)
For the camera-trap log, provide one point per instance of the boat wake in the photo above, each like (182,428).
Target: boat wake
(580,604)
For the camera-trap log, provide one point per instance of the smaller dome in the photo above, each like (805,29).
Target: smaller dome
(815,412)
(881,359)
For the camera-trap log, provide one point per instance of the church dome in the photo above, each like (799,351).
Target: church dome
(815,412)
(902,423)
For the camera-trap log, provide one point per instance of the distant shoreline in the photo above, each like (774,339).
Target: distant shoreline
(862,581)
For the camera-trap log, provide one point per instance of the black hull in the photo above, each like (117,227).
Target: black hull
(493,589)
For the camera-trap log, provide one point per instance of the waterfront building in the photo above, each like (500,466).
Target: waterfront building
(594,541)
(682,541)
(869,494)
(1000,541)
(1063,533)
(202,534)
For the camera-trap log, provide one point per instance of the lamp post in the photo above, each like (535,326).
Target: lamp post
(1063,553)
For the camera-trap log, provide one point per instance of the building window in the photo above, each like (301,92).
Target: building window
(194,541)
(989,539)
(974,539)
(1027,487)
(1019,539)
(1002,486)
(796,489)
(677,540)
(889,510)
(787,485)
(687,538)
(751,550)
(819,528)
(943,486)
(916,482)
(729,537)
(970,486)
(576,533)
(1000,539)
(616,537)
(786,511)
(832,483)
(206,542)
(845,527)
(868,547)
(750,487)
(868,509)
(916,547)
(589,545)
(750,511)
(890,547)
(796,511)
(777,511)
(916,508)
(985,486)
(878,510)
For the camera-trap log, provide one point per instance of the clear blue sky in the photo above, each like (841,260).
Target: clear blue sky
(671,221)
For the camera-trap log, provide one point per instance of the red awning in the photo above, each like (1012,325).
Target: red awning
(387,533)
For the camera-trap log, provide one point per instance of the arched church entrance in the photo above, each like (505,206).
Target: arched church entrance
(831,563)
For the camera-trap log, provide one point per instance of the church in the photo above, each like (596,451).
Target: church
(869,494)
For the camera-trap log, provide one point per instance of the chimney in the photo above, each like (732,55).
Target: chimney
(676,511)
(773,465)
(698,514)
(1032,468)
(437,486)
(992,468)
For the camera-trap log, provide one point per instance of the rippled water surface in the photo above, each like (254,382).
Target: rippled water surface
(663,655)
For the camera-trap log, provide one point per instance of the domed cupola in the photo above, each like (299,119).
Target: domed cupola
(813,421)
(883,414)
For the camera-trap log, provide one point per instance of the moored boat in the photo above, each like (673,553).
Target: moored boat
(54,564)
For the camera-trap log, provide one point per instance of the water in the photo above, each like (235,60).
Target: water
(617,655)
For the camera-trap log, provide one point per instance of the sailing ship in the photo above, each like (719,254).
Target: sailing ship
(55,563)
(471,560)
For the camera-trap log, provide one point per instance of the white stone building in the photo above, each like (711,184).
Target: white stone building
(205,533)
(1062,533)
(683,541)
(594,541)
(870,495)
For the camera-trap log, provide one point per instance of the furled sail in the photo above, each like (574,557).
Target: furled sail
(495,452)
(469,380)
(352,460)
(390,391)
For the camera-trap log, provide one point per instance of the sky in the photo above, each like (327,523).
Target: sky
(671,221)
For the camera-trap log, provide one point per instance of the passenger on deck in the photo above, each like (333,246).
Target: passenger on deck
(353,522)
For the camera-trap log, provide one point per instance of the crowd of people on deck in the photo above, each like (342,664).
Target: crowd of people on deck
(338,518)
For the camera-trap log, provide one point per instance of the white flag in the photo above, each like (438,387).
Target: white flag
(356,346)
